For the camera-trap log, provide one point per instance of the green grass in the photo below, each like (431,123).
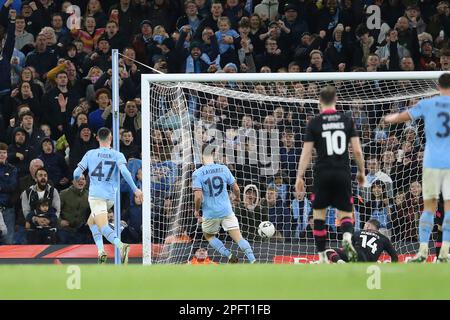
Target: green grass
(398,281)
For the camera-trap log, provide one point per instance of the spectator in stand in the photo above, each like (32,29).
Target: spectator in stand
(74,213)
(191,18)
(210,21)
(375,174)
(94,9)
(296,24)
(440,21)
(98,116)
(407,37)
(317,64)
(338,53)
(378,207)
(272,57)
(55,164)
(114,36)
(391,54)
(22,36)
(229,42)
(22,95)
(429,60)
(129,15)
(41,58)
(89,35)
(143,43)
(445,60)
(127,145)
(41,223)
(272,209)
(20,153)
(407,64)
(40,190)
(235,10)
(51,105)
(130,119)
(8,184)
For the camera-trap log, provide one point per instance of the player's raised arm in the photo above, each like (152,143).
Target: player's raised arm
(398,117)
(391,251)
(359,159)
(305,160)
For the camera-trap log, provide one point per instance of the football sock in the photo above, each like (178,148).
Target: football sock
(98,238)
(109,235)
(445,234)
(347,225)
(219,246)
(426,223)
(245,246)
(438,243)
(320,234)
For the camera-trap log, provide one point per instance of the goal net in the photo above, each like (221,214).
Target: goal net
(257,122)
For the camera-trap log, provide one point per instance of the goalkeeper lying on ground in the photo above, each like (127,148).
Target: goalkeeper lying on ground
(369,244)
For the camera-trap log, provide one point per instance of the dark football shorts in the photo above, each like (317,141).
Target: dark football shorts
(333,187)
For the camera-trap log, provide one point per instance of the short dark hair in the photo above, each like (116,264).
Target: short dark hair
(103,133)
(102,90)
(444,80)
(60,72)
(375,223)
(40,169)
(3,146)
(26,113)
(328,95)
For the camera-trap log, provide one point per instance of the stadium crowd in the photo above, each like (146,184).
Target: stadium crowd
(55,93)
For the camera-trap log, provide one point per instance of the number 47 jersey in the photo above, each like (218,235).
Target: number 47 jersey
(212,180)
(103,165)
(331,132)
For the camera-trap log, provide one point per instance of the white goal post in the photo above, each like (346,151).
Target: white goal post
(184,96)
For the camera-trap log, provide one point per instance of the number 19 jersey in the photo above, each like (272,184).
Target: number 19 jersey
(331,132)
(103,165)
(212,180)
(436,114)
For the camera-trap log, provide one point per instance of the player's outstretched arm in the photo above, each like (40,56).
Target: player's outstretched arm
(397,117)
(198,198)
(359,159)
(77,173)
(127,176)
(305,160)
(236,190)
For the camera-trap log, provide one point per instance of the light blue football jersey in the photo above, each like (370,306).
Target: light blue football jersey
(103,165)
(436,114)
(213,179)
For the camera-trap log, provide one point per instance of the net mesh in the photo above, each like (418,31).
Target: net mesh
(259,127)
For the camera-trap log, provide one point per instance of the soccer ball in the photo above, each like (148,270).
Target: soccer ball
(266,229)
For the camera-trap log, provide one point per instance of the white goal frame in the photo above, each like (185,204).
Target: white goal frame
(146,79)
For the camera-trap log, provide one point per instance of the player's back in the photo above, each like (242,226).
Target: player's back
(372,243)
(103,165)
(213,179)
(331,133)
(436,115)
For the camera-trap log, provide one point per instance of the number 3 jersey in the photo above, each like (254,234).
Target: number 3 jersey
(436,114)
(103,165)
(212,180)
(331,132)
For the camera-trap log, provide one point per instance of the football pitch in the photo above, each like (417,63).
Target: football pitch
(254,282)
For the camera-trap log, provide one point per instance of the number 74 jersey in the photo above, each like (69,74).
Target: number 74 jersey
(436,114)
(331,132)
(212,180)
(103,165)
